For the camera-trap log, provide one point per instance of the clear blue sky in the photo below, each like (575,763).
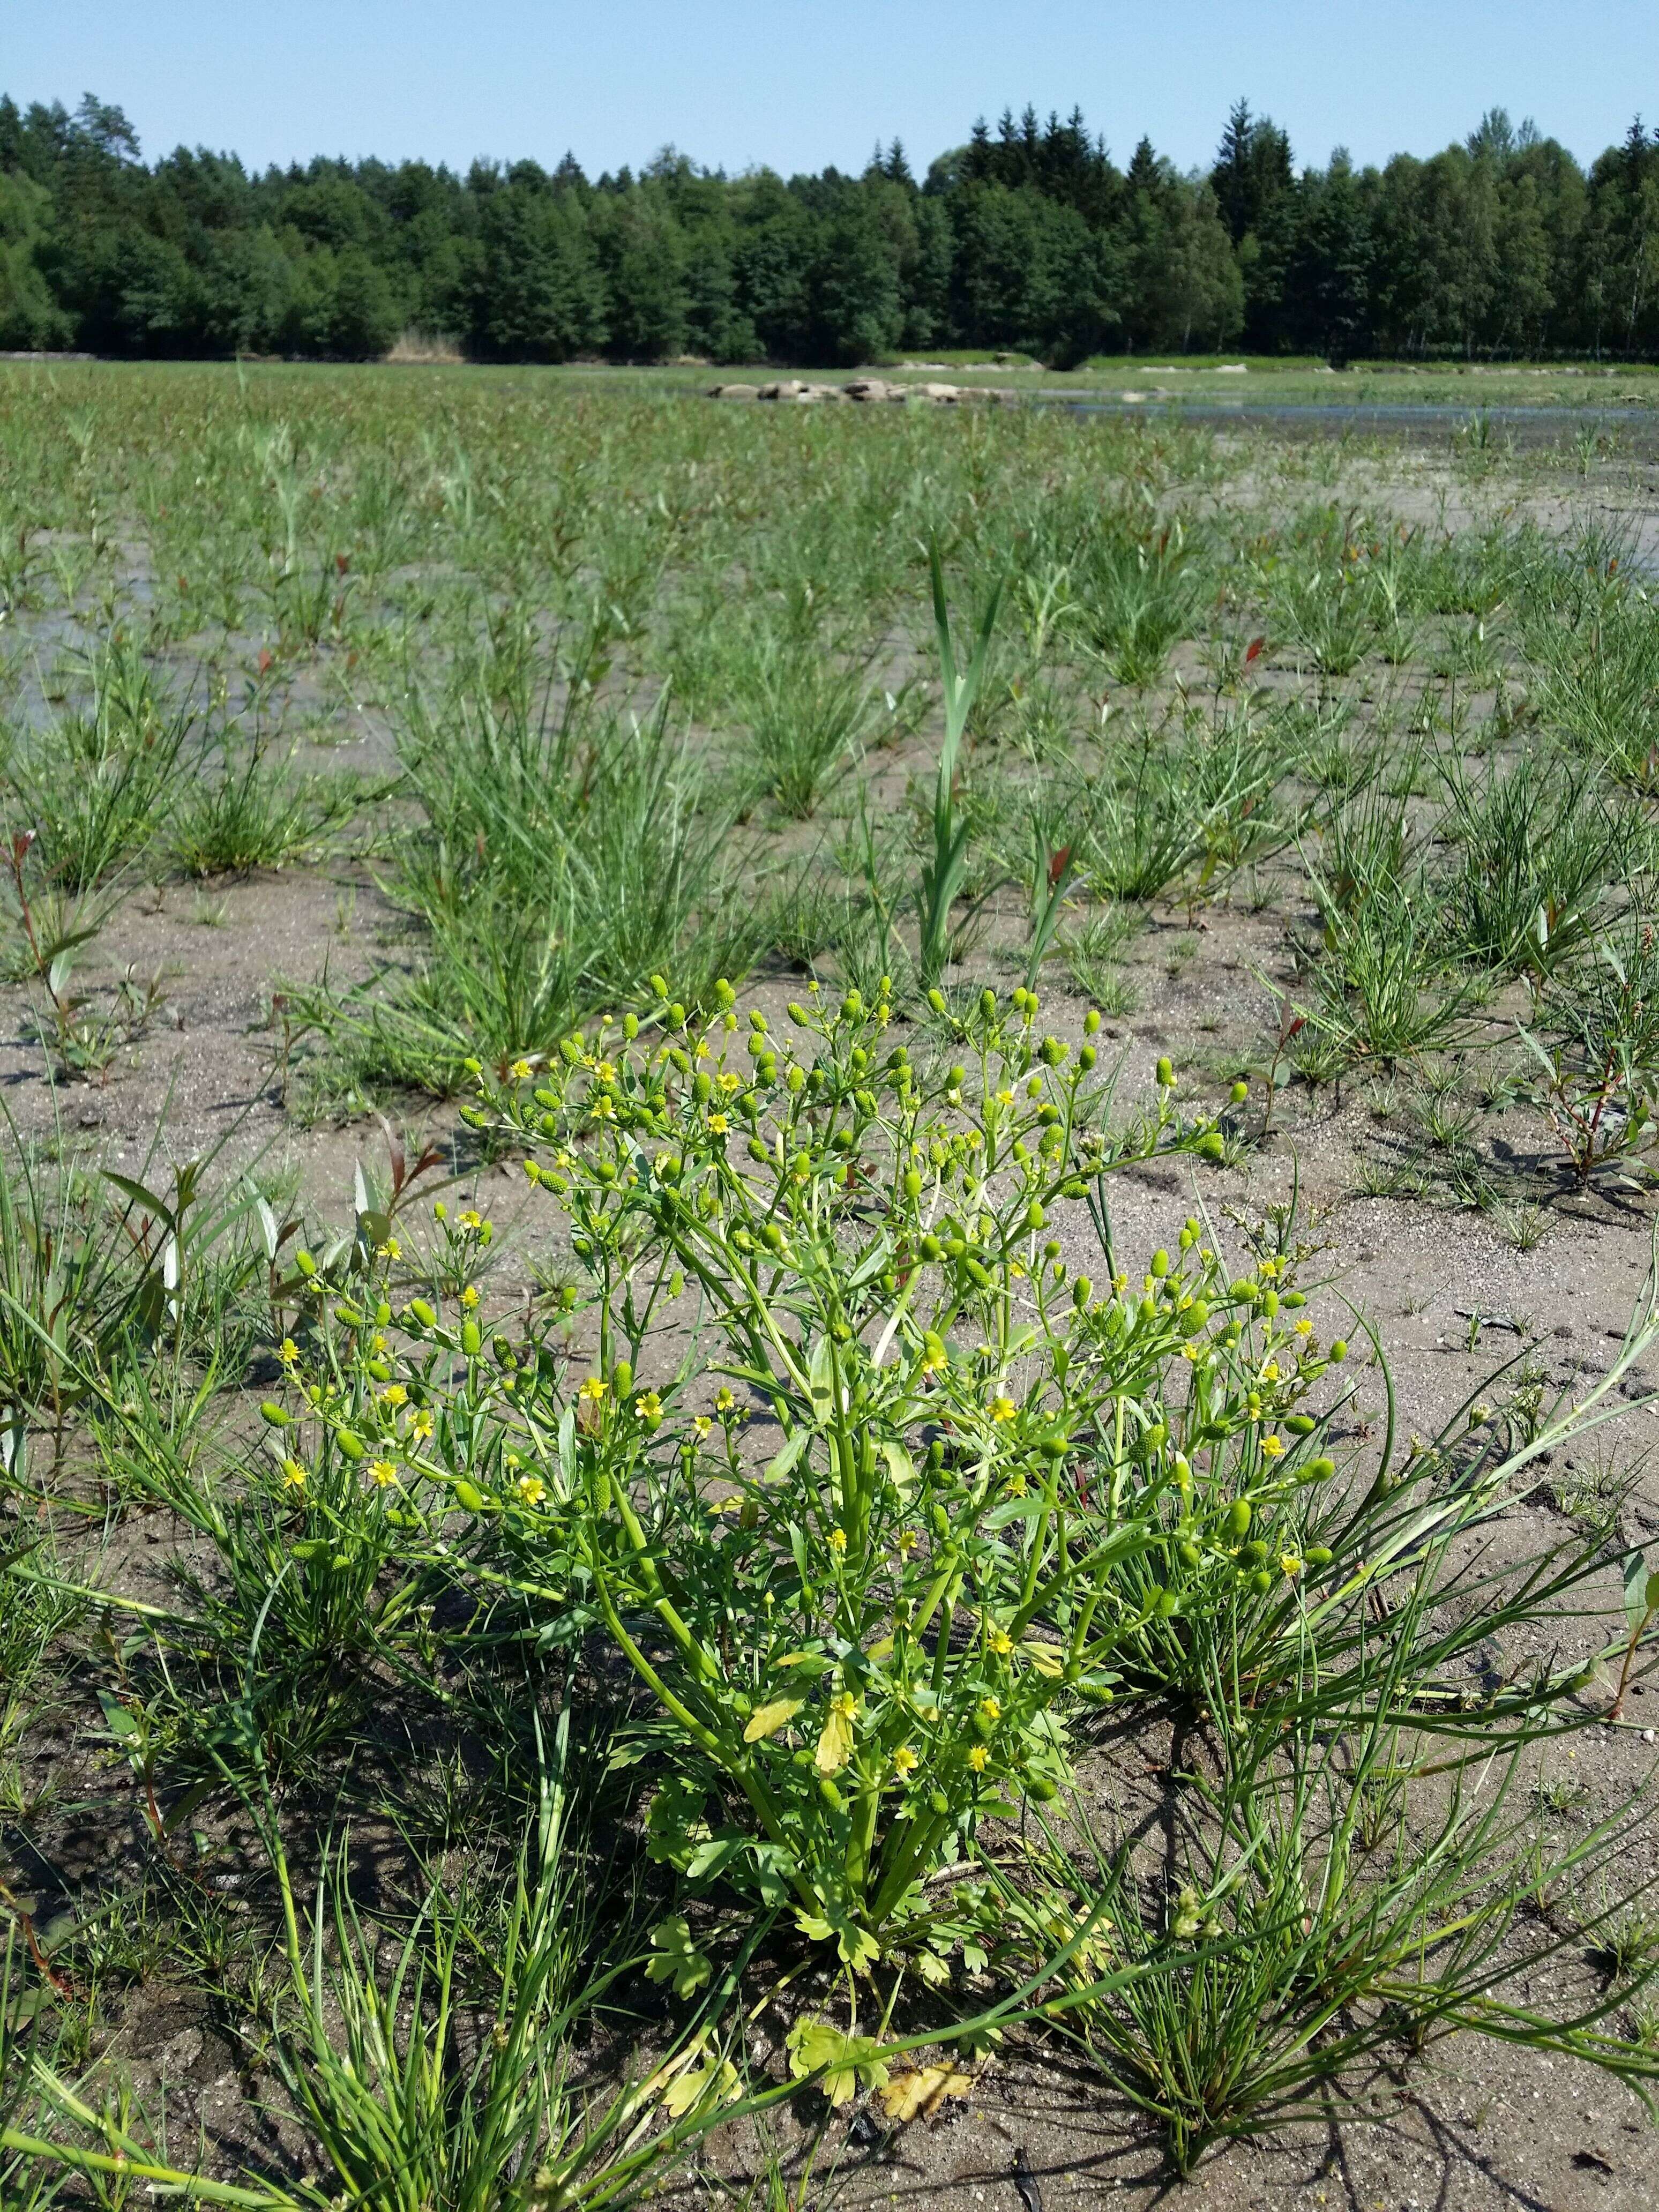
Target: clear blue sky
(740,82)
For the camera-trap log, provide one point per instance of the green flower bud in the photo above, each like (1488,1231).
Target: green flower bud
(1240,1092)
(1338,1353)
(471,1339)
(273,1414)
(1165,1073)
(622,1377)
(1082,1290)
(1238,1517)
(1160,1263)
(349,1443)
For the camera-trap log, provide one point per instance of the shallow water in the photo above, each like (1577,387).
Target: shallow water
(1636,428)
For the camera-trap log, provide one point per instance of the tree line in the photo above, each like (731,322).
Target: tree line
(1029,238)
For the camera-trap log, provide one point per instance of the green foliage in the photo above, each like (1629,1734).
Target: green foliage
(1031,239)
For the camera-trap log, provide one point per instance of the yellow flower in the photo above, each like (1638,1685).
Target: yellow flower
(1270,1372)
(391,1249)
(703,1424)
(1016,1484)
(731,1083)
(907,1542)
(1000,1643)
(1002,1409)
(1273,1446)
(593,1389)
(532,1489)
(381,1472)
(1304,1327)
(648,1407)
(394,1395)
(605,1072)
(294,1475)
(718,1124)
(288,1351)
(1267,1270)
(469,1296)
(520,1071)
(603,1108)
(838,1540)
(724,1400)
(990,1709)
(421,1427)
(702,1048)
(1005,1099)
(1289,1564)
(905,1761)
(977,1757)
(472,1218)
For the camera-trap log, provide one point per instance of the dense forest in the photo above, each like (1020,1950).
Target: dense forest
(1029,237)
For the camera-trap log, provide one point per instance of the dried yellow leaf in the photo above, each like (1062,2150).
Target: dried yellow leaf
(766,1720)
(923,2091)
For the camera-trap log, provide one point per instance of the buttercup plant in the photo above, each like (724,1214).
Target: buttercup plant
(976,1504)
